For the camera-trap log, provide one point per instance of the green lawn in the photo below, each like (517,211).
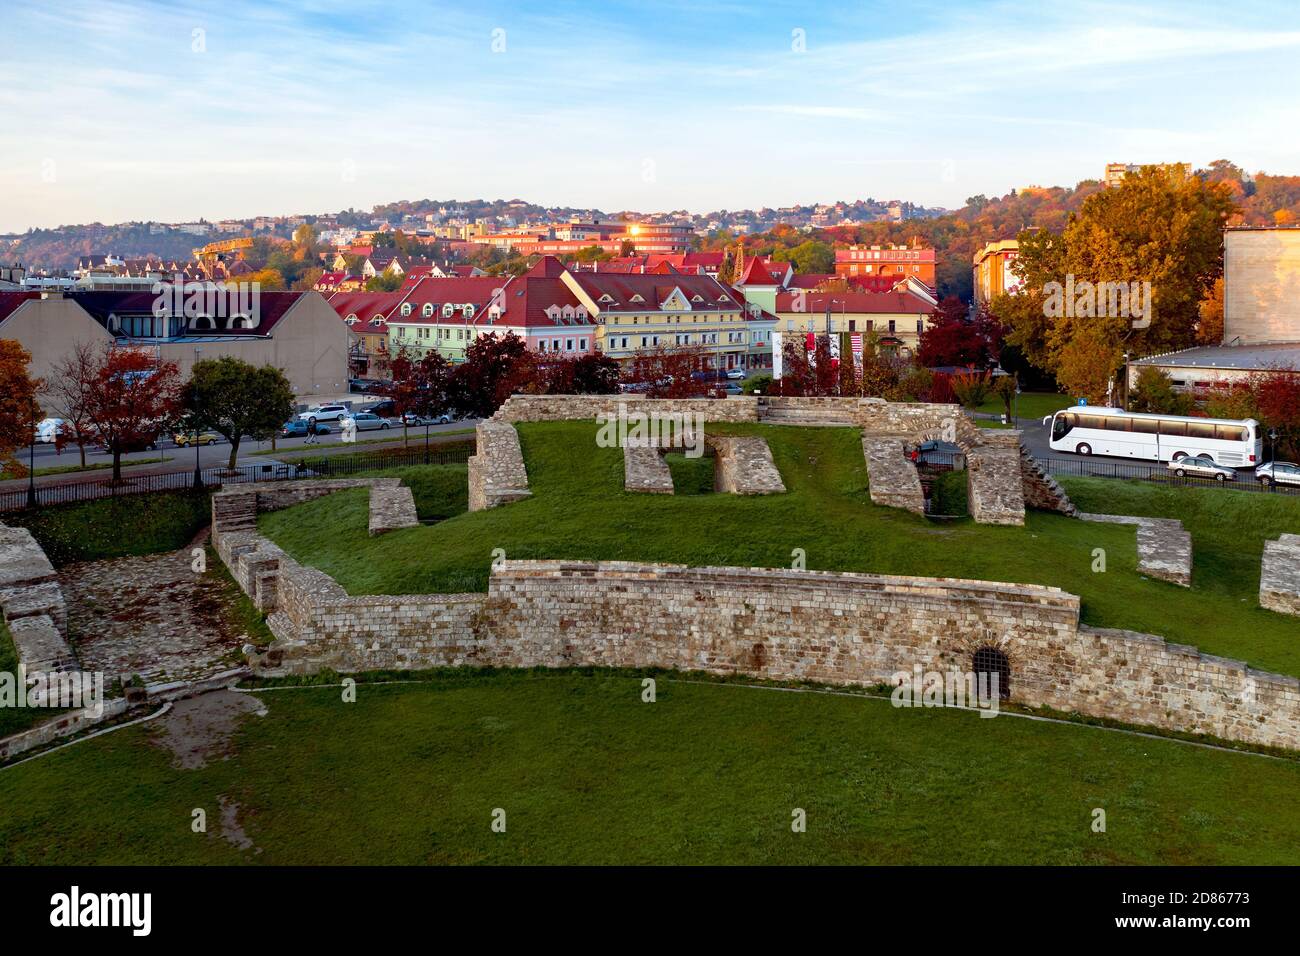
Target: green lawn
(1029,405)
(587,773)
(116,527)
(579,510)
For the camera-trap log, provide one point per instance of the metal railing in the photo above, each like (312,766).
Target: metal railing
(314,466)
(1158,474)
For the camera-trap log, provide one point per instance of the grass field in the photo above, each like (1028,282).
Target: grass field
(587,773)
(1029,404)
(579,510)
(116,527)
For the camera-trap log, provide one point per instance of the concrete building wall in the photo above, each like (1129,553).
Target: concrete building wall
(50,329)
(1261,286)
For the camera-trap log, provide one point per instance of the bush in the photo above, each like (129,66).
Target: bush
(971,388)
(758,384)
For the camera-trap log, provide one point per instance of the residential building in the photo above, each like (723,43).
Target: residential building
(894,261)
(366,316)
(898,318)
(1115,172)
(294,331)
(441,314)
(993,273)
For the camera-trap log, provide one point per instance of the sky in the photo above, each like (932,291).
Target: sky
(117,110)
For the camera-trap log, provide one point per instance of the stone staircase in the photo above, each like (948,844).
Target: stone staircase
(815,417)
(1042,490)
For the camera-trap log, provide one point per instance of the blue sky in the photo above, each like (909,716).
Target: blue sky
(120,109)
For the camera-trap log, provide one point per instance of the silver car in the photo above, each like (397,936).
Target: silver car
(367,421)
(1282,472)
(1201,466)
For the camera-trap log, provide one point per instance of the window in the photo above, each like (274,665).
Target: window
(1178,429)
(853,325)
(1091,421)
(893,325)
(1230,433)
(1117,424)
(1200,430)
(1146,426)
(406,308)
(427,311)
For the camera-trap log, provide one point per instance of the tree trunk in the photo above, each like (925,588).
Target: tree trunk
(117,463)
(81,447)
(234,451)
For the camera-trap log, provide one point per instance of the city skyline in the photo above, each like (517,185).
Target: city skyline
(204,111)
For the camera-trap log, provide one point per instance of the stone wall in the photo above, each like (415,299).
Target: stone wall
(497,474)
(1164,547)
(31,603)
(994,487)
(744,466)
(891,475)
(554,408)
(645,470)
(1041,490)
(857,629)
(1279,577)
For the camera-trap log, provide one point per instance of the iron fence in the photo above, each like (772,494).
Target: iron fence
(213,477)
(1158,474)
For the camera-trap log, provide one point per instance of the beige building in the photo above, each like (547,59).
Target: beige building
(898,318)
(296,332)
(992,270)
(1261,285)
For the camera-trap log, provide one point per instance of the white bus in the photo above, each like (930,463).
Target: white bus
(1112,431)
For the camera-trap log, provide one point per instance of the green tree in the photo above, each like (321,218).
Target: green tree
(1158,226)
(1154,392)
(237,399)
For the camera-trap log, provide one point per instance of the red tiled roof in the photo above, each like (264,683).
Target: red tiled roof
(432,290)
(653,290)
(365,306)
(272,307)
(878,302)
(763,272)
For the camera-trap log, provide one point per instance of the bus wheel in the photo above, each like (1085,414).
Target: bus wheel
(1179,455)
(1083,449)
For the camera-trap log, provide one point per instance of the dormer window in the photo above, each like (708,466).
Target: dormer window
(427,310)
(447,310)
(406,308)
(636,298)
(468,309)
(697,298)
(350,320)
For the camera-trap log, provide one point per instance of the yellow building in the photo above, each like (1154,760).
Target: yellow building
(993,273)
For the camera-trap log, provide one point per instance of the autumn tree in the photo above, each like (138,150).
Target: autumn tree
(951,338)
(236,399)
(663,372)
(130,398)
(495,367)
(1159,226)
(1086,364)
(19,410)
(69,395)
(1209,326)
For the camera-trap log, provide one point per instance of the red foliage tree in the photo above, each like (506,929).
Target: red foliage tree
(495,367)
(662,372)
(953,339)
(130,397)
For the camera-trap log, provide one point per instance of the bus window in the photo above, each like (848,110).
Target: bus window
(1117,424)
(1091,421)
(1178,429)
(1200,430)
(1147,426)
(1062,424)
(1231,433)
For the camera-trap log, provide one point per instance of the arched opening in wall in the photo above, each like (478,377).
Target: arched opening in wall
(992,662)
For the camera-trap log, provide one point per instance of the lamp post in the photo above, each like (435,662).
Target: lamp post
(198,471)
(32,501)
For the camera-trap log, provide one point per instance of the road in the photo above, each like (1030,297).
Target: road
(217,454)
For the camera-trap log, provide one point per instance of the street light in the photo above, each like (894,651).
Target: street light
(198,471)
(31,463)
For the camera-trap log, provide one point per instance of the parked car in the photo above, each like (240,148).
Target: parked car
(735,373)
(385,409)
(368,421)
(183,440)
(49,429)
(298,426)
(326,413)
(1281,472)
(129,447)
(1202,466)
(413,420)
